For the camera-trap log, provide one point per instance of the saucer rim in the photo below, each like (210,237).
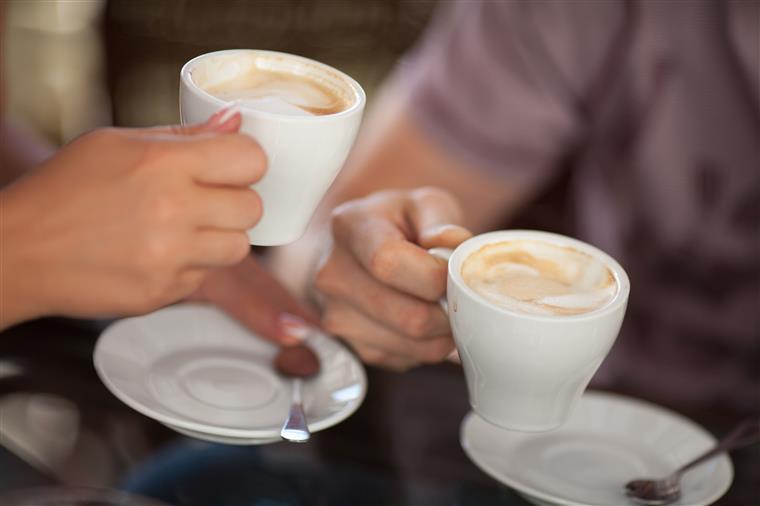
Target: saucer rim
(217,439)
(528,490)
(349,408)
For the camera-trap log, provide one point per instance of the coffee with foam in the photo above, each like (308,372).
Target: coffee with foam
(273,84)
(537,277)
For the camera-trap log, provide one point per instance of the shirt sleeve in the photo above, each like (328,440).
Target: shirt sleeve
(497,82)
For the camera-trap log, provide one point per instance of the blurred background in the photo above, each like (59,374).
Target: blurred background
(74,65)
(70,66)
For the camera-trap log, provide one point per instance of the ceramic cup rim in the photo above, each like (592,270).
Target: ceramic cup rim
(464,250)
(200,94)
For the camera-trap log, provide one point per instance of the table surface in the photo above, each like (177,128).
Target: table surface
(400,448)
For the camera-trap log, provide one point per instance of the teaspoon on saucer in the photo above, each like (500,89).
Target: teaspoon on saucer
(296,362)
(668,490)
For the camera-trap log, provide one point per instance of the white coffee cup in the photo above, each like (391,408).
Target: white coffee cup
(525,371)
(304,153)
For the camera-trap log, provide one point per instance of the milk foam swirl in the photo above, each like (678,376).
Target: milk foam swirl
(257,85)
(538,277)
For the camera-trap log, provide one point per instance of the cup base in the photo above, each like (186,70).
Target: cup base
(256,239)
(518,427)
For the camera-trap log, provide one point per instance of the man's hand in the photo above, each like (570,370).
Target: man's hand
(379,284)
(123,221)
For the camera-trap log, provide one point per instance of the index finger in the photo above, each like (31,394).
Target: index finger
(224,121)
(382,249)
(228,159)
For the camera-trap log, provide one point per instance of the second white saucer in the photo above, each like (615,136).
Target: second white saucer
(608,440)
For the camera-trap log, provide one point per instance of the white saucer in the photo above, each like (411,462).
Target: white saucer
(211,438)
(607,441)
(196,370)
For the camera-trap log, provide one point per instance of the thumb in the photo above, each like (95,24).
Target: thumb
(436,216)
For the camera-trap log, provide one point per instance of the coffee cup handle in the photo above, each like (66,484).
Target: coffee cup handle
(443,254)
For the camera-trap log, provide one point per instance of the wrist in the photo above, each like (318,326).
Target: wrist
(19,298)
(296,264)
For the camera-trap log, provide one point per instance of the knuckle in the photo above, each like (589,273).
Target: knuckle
(165,207)
(165,287)
(427,193)
(431,195)
(415,320)
(384,261)
(156,254)
(382,198)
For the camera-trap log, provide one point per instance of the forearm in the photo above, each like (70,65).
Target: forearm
(393,153)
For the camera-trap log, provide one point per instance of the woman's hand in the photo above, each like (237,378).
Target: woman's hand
(251,295)
(123,221)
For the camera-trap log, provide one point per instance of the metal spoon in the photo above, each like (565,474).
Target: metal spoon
(668,490)
(297,362)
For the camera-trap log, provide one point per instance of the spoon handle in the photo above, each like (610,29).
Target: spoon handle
(744,434)
(295,429)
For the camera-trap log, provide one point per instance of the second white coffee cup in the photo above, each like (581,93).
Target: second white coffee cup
(304,153)
(526,371)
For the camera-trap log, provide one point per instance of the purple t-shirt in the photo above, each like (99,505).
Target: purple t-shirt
(658,104)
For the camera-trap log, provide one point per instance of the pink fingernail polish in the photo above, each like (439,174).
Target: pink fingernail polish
(223,115)
(228,112)
(214,119)
(294,329)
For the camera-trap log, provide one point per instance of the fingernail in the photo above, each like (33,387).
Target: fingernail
(213,120)
(219,118)
(223,116)
(294,329)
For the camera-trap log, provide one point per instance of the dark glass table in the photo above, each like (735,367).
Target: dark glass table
(400,448)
